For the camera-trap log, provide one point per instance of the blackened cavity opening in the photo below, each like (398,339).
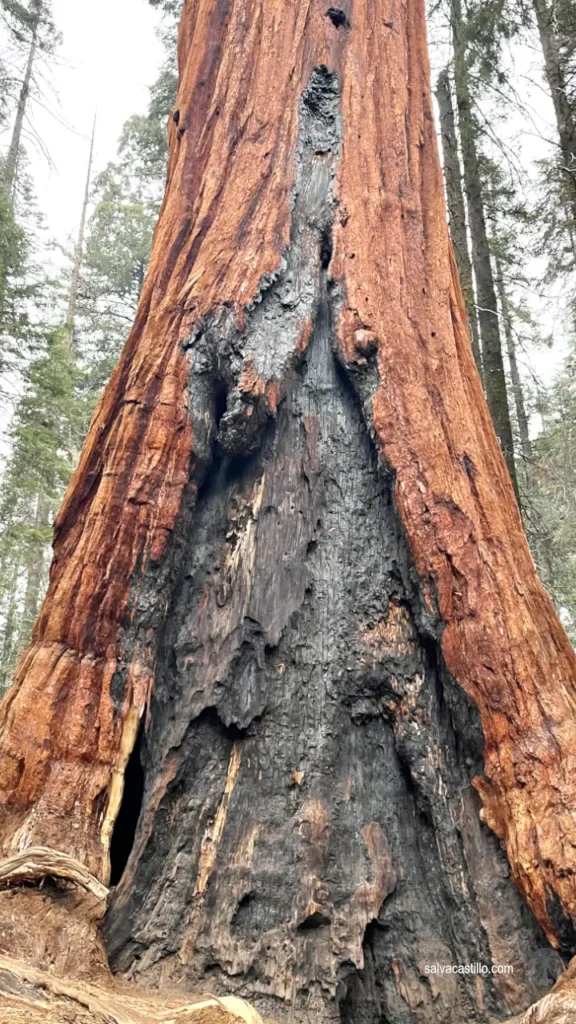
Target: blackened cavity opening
(326,248)
(129,814)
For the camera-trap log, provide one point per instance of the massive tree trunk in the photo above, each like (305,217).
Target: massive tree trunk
(492,359)
(295,681)
(456,206)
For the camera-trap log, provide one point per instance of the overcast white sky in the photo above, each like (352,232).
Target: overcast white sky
(109,57)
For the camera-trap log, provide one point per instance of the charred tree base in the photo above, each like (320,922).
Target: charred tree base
(311,839)
(53,969)
(309,836)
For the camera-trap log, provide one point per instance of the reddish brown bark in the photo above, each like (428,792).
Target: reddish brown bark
(67,728)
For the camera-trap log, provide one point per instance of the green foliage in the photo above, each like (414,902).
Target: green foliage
(18,23)
(60,386)
(115,264)
(555,238)
(30,29)
(127,197)
(14,246)
(143,147)
(46,427)
(24,287)
(119,242)
(44,437)
(170,7)
(490,24)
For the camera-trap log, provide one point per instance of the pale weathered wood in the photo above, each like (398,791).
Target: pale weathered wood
(38,862)
(26,990)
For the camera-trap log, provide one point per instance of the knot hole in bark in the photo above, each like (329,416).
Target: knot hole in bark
(338,17)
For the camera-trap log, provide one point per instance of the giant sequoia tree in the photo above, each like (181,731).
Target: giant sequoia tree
(295,690)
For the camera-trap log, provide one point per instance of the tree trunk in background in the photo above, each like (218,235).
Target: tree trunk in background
(34,566)
(563,109)
(293,630)
(517,390)
(540,539)
(10,631)
(487,306)
(11,167)
(79,251)
(456,207)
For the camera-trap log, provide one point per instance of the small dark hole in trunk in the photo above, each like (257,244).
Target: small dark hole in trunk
(317,920)
(220,401)
(127,820)
(326,248)
(337,17)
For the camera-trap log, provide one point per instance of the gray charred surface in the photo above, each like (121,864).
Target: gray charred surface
(309,837)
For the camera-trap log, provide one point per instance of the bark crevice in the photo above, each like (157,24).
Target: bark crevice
(126,823)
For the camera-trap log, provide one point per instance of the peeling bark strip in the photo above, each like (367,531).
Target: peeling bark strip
(307,824)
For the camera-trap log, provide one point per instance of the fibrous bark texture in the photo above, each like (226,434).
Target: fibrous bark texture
(291,601)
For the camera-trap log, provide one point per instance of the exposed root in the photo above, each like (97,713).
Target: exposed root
(558,1006)
(39,862)
(30,996)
